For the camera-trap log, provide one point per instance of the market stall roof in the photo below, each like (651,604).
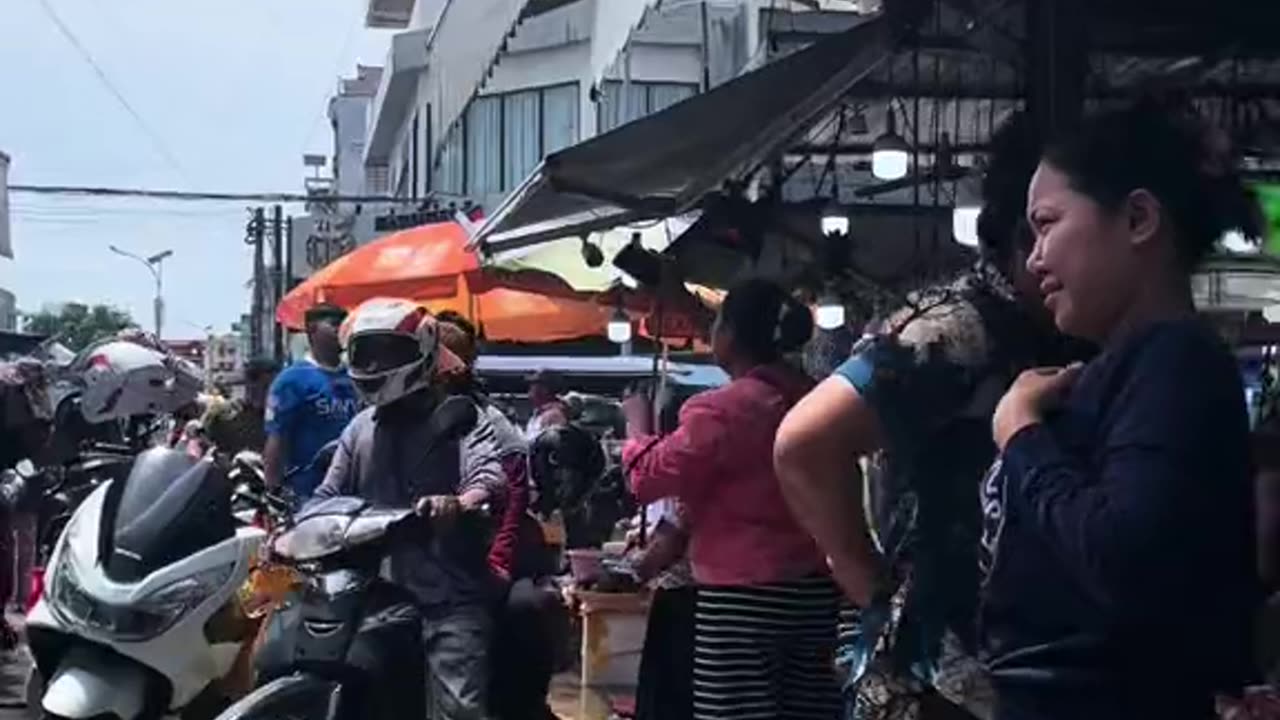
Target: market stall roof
(663,164)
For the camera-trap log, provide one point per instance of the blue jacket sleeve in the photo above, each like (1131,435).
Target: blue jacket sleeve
(1156,509)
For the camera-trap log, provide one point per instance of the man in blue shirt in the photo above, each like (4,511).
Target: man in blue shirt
(309,405)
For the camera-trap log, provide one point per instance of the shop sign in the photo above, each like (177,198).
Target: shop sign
(321,237)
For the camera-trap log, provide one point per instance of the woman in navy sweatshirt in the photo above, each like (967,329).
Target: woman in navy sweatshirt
(1118,544)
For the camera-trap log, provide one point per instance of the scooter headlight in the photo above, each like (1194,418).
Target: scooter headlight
(138,621)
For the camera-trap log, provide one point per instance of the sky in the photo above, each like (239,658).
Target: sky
(228,95)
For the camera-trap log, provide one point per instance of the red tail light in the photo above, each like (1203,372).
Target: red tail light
(37,588)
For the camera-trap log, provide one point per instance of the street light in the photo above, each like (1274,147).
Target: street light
(155,264)
(829,313)
(619,327)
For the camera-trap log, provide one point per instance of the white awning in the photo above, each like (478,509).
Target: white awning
(663,164)
(465,43)
(406,59)
(615,21)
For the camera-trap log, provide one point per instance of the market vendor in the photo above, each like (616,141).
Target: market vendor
(763,585)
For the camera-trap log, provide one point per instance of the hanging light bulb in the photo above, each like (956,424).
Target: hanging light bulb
(829,313)
(890,154)
(834,220)
(964,224)
(619,327)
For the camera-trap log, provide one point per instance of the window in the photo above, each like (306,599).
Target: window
(413,153)
(506,135)
(449,168)
(559,118)
(484,146)
(643,98)
(521,144)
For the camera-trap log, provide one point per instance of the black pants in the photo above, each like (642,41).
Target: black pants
(665,689)
(524,652)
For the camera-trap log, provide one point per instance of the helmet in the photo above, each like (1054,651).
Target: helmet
(122,379)
(565,463)
(393,349)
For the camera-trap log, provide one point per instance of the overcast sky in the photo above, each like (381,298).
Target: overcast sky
(233,90)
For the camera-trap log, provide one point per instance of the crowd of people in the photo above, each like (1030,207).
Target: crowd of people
(1057,515)
(1027,495)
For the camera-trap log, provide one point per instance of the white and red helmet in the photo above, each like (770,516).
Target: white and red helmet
(393,349)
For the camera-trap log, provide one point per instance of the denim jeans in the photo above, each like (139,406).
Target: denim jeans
(457,649)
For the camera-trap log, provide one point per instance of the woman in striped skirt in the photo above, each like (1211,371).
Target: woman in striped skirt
(765,623)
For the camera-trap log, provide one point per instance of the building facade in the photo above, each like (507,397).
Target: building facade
(562,75)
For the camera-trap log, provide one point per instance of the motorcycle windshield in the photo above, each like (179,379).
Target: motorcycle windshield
(169,507)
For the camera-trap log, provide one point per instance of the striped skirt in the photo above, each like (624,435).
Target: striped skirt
(766,651)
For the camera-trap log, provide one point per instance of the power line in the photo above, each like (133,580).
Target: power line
(227,196)
(154,137)
(338,67)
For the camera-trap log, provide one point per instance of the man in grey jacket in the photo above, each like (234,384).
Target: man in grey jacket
(396,453)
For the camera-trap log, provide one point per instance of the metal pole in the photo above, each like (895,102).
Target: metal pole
(277,229)
(159,302)
(255,311)
(154,265)
(706,50)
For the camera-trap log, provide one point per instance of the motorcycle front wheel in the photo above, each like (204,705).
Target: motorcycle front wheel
(293,697)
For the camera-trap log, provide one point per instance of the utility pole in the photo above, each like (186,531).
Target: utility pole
(254,236)
(277,230)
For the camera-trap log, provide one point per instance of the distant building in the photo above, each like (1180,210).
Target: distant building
(8,311)
(224,359)
(349,118)
(193,351)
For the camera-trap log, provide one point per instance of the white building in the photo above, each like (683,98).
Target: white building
(349,113)
(467,105)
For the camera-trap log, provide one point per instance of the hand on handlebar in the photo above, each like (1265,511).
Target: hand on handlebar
(443,510)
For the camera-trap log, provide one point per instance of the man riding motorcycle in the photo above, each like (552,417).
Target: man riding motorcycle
(387,455)
(530,616)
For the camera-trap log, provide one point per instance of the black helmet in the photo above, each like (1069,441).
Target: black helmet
(565,462)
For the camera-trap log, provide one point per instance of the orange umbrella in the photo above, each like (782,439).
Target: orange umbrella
(420,263)
(431,264)
(515,315)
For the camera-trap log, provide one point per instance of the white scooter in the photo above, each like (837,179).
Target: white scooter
(140,613)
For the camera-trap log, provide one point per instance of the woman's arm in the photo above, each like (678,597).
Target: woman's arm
(816,457)
(670,466)
(666,546)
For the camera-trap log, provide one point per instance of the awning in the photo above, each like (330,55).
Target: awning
(406,60)
(465,43)
(663,164)
(615,21)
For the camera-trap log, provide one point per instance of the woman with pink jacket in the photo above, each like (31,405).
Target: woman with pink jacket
(766,607)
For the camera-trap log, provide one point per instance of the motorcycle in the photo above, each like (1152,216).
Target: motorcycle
(347,644)
(140,613)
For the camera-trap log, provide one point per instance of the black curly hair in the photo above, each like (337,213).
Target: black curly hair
(766,322)
(1171,152)
(1013,156)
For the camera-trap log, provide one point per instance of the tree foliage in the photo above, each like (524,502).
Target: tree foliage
(76,325)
